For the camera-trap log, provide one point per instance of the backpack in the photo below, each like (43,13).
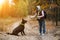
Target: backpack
(45,14)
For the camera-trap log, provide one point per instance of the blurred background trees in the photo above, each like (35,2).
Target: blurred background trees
(22,8)
(15,8)
(52,7)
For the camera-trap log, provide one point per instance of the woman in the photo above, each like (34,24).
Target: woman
(41,20)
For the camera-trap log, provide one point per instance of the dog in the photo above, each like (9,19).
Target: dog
(20,28)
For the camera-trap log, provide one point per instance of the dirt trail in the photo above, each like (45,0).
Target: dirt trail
(32,32)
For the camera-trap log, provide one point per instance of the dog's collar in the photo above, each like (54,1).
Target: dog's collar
(22,24)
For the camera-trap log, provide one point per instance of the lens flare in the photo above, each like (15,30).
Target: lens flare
(1,2)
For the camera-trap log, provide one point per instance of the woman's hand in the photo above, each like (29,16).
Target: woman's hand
(32,17)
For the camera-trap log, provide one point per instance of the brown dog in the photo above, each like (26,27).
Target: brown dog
(18,29)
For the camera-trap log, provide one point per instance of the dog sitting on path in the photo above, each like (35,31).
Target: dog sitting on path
(18,29)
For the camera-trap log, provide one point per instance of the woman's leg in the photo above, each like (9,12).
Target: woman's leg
(40,27)
(43,24)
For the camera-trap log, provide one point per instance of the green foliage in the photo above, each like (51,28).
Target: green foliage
(21,8)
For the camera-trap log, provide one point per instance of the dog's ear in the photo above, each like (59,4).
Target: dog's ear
(22,19)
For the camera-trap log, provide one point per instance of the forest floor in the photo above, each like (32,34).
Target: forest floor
(31,30)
